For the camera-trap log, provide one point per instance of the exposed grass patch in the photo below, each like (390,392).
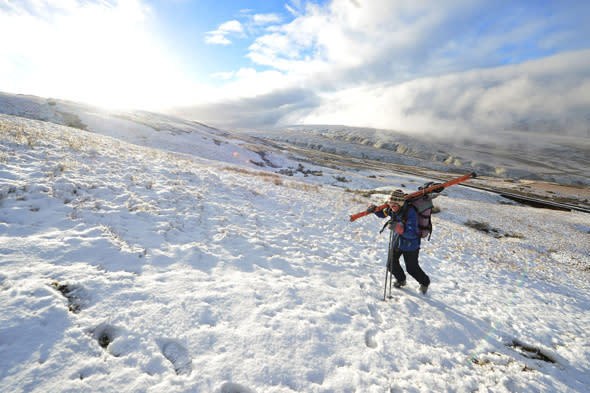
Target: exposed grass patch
(487,228)
(265,160)
(480,226)
(74,295)
(266,176)
(19,133)
(300,169)
(530,351)
(366,193)
(72,120)
(305,187)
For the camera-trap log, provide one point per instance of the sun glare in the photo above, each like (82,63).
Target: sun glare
(99,53)
(118,64)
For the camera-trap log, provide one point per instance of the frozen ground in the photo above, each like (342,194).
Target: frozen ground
(147,268)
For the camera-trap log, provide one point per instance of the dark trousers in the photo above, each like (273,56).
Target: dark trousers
(412,266)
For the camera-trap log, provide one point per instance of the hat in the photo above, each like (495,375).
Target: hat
(397,197)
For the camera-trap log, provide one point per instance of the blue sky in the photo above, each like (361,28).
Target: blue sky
(186,26)
(264,63)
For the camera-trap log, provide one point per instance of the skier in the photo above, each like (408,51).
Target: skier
(405,222)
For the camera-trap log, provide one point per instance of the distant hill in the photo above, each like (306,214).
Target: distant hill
(515,154)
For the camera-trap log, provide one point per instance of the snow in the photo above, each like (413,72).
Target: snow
(138,260)
(555,157)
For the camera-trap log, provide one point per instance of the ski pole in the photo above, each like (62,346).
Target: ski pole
(418,194)
(389,264)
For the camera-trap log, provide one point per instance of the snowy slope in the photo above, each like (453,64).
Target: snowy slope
(131,268)
(139,127)
(509,154)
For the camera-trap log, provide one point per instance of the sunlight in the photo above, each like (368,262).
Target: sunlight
(117,66)
(97,53)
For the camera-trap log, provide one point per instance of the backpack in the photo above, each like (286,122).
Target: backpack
(423,206)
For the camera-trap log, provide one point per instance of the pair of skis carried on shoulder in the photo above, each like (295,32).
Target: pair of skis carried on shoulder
(419,193)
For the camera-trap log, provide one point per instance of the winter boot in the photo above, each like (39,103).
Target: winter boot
(423,289)
(399,284)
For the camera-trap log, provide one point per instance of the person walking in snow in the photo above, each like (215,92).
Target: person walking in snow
(405,222)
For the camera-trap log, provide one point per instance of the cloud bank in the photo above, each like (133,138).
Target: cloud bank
(546,95)
(453,68)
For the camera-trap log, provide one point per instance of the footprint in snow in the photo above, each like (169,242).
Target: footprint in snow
(4,283)
(178,355)
(375,313)
(230,387)
(370,339)
(105,334)
(115,340)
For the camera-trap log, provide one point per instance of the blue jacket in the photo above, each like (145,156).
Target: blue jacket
(409,240)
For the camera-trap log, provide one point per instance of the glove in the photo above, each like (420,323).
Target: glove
(438,190)
(371,208)
(399,227)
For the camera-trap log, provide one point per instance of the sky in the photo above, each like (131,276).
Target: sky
(458,66)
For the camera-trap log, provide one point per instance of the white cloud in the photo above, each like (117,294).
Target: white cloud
(265,19)
(232,26)
(545,95)
(220,36)
(217,38)
(252,83)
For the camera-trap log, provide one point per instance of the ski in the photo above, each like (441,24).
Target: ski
(419,193)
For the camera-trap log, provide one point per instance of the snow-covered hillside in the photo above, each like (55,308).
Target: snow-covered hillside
(514,154)
(143,128)
(184,262)
(510,154)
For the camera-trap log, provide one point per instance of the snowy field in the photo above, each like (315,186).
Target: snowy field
(175,264)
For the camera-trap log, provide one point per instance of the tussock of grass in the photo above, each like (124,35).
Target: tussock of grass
(487,228)
(267,176)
